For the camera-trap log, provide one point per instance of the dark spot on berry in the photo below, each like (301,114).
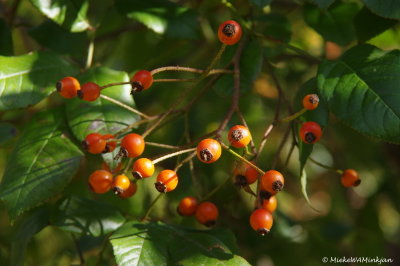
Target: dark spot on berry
(107,148)
(357,182)
(137,175)
(136,87)
(313,99)
(240,180)
(229,30)
(79,93)
(123,152)
(310,137)
(160,187)
(210,223)
(206,155)
(59,86)
(117,190)
(85,145)
(264,195)
(237,134)
(262,231)
(277,185)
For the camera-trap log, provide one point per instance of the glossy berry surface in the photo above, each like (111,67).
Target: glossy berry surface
(142,80)
(100,181)
(207,213)
(310,132)
(350,178)
(110,145)
(167,180)
(187,206)
(229,32)
(245,175)
(239,136)
(132,145)
(142,168)
(94,143)
(270,204)
(251,174)
(68,87)
(130,191)
(261,221)
(310,101)
(121,183)
(89,91)
(272,182)
(208,150)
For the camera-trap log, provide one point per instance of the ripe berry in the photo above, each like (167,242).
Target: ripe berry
(239,136)
(261,221)
(207,213)
(110,145)
(121,183)
(272,181)
(90,91)
(187,206)
(100,181)
(310,132)
(132,145)
(350,178)
(167,180)
(142,168)
(142,80)
(270,204)
(208,150)
(94,143)
(251,174)
(68,87)
(310,101)
(245,175)
(229,32)
(130,191)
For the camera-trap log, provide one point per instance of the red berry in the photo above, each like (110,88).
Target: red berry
(261,221)
(229,32)
(132,145)
(100,181)
(143,168)
(90,91)
(310,132)
(245,175)
(310,101)
(94,143)
(272,182)
(167,180)
(130,191)
(208,150)
(142,80)
(350,178)
(187,206)
(121,183)
(68,87)
(270,204)
(251,174)
(239,136)
(110,145)
(207,213)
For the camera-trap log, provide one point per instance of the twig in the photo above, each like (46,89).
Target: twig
(124,106)
(169,155)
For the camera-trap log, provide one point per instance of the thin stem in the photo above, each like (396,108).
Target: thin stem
(137,123)
(278,152)
(264,140)
(90,53)
(289,154)
(78,249)
(302,52)
(215,60)
(175,80)
(128,165)
(293,116)
(241,158)
(188,69)
(169,155)
(115,84)
(216,189)
(326,166)
(124,106)
(161,145)
(152,206)
(187,159)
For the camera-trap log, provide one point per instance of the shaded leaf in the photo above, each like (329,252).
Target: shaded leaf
(261,3)
(7,132)
(324,4)
(387,8)
(27,79)
(6,42)
(41,165)
(361,89)
(303,181)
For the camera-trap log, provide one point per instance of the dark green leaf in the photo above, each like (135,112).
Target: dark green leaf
(70,14)
(84,216)
(25,230)
(7,131)
(324,4)
(303,181)
(261,3)
(161,244)
(361,88)
(387,8)
(6,42)
(333,24)
(41,165)
(27,79)
(369,25)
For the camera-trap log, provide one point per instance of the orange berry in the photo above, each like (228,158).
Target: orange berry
(110,145)
(94,143)
(100,181)
(167,180)
(229,32)
(187,206)
(270,204)
(68,87)
(208,150)
(310,132)
(350,178)
(272,182)
(239,136)
(142,80)
(90,91)
(332,50)
(251,174)
(207,213)
(132,145)
(130,191)
(261,221)
(310,101)
(121,183)
(142,168)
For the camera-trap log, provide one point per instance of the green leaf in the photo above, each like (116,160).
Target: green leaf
(102,115)
(261,3)
(7,132)
(6,42)
(84,216)
(41,165)
(361,89)
(303,181)
(369,25)
(161,244)
(387,8)
(323,4)
(27,79)
(25,230)
(333,24)
(70,14)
